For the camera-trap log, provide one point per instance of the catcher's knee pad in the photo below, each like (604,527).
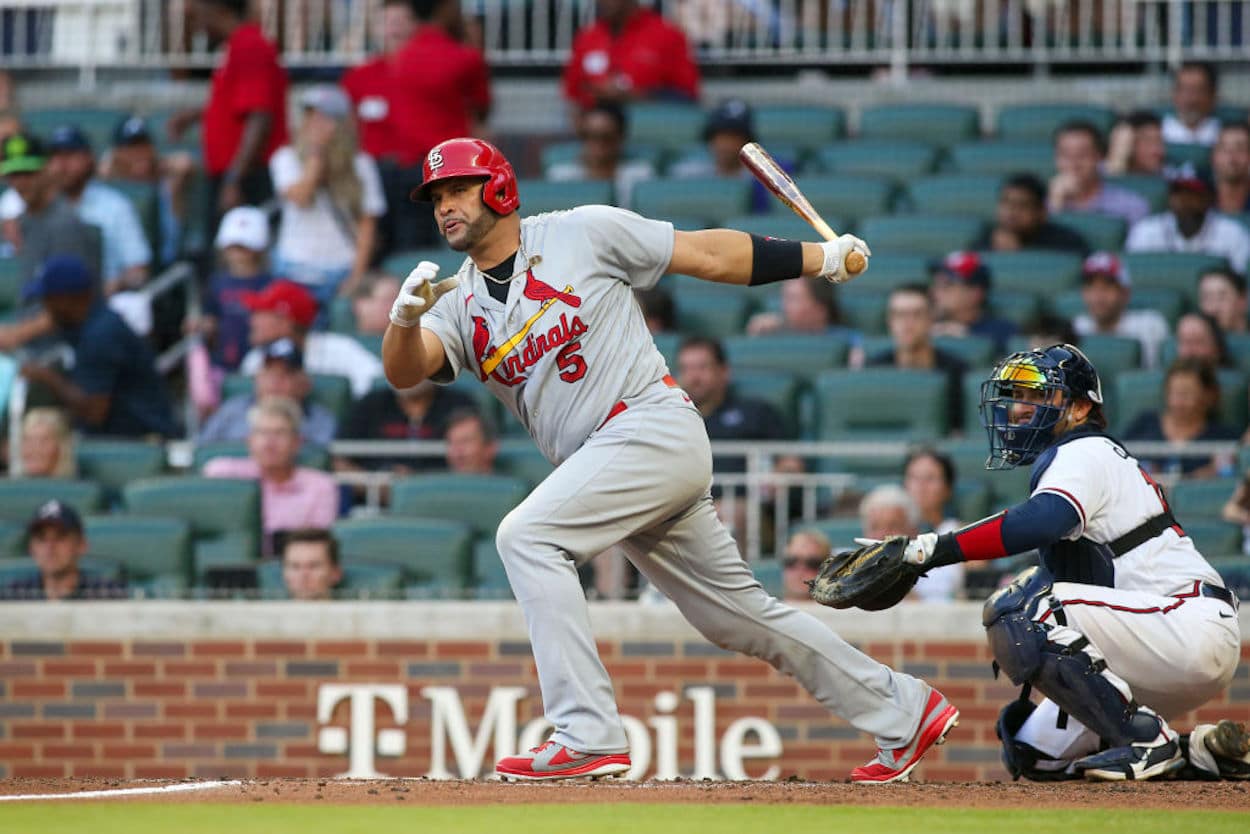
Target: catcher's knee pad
(1016,640)
(1023,759)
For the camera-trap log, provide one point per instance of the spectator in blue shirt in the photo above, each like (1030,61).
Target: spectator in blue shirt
(114,388)
(961,292)
(242,241)
(56,544)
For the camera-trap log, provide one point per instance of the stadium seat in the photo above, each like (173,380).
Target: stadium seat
(1004,158)
(10,284)
(490,580)
(1036,271)
(1112,355)
(373,343)
(944,124)
(538,196)
(1200,498)
(804,125)
(805,354)
(1168,303)
(521,459)
(699,157)
(154,552)
(971,384)
(1197,156)
(114,463)
(975,195)
(1137,392)
(1153,188)
(1018,307)
(866,405)
(1006,486)
(841,532)
(714,199)
(481,501)
(972,499)
(788,225)
(716,316)
(12,539)
(1238,345)
(933,235)
(97,123)
(1216,539)
(668,126)
(780,390)
(864,311)
(400,264)
(434,553)
(20,497)
(1101,231)
(1170,270)
(557,153)
(1039,121)
(769,574)
(976,351)
(889,270)
(1234,569)
(223,513)
(314,457)
(897,160)
(850,196)
(331,391)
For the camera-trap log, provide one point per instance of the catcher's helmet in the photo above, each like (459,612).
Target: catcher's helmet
(466,157)
(1058,368)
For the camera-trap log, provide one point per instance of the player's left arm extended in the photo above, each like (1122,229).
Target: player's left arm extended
(1043,519)
(726,256)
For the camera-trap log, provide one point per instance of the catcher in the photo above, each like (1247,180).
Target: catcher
(1124,624)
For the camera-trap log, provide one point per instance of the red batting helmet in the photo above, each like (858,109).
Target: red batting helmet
(465,157)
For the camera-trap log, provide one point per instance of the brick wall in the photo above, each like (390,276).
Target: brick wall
(247,707)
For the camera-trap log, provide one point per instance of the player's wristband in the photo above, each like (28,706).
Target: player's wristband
(774,259)
(946,551)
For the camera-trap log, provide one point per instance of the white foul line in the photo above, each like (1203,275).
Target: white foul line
(181,786)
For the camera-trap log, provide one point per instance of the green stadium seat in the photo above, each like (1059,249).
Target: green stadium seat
(975,195)
(972,500)
(481,501)
(807,126)
(331,391)
(945,124)
(538,196)
(1007,486)
(1137,392)
(400,264)
(1036,271)
(1238,350)
(788,226)
(342,316)
(114,463)
(1039,121)
(769,574)
(805,354)
(1200,498)
(780,390)
(1235,571)
(714,199)
(1112,355)
(1153,188)
(371,342)
(314,457)
(864,311)
(12,540)
(557,153)
(1168,303)
(10,284)
(1018,307)
(865,405)
(490,580)
(665,125)
(1215,540)
(520,458)
(888,270)
(1170,270)
(699,158)
(899,160)
(1102,232)
(933,235)
(1004,158)
(1198,156)
(974,350)
(713,316)
(850,196)
(223,513)
(434,553)
(97,123)
(154,552)
(20,497)
(841,532)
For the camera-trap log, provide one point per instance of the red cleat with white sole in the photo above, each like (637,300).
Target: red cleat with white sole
(939,718)
(555,761)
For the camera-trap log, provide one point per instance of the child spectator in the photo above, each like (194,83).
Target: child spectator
(242,241)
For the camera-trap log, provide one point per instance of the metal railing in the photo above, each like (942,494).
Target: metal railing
(899,34)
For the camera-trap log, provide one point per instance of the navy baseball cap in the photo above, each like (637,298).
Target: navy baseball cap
(59,275)
(733,116)
(962,267)
(1189,178)
(284,350)
(131,131)
(57,513)
(68,138)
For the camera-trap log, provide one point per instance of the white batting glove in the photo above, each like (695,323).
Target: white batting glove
(418,294)
(834,269)
(919,550)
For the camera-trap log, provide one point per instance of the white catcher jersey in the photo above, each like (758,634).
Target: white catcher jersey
(1112,495)
(570,342)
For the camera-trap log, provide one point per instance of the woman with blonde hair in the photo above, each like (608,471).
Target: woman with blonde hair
(47,445)
(331,197)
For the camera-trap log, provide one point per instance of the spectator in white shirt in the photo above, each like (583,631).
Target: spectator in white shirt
(1192,120)
(601,130)
(1191,225)
(1106,289)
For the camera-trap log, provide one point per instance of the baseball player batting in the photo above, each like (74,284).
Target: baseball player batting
(542,312)
(1125,624)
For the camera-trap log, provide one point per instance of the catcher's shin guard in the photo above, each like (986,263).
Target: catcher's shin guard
(1023,759)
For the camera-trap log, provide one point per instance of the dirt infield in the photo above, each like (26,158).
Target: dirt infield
(1221,796)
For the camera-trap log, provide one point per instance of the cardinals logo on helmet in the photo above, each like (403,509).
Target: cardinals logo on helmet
(435,159)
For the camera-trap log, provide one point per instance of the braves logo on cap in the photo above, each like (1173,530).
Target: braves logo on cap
(435,159)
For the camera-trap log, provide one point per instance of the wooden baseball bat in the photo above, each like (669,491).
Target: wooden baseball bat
(766,170)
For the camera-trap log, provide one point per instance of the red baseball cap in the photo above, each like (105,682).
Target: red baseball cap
(286,298)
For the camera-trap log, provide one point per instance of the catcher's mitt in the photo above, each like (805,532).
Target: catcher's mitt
(873,578)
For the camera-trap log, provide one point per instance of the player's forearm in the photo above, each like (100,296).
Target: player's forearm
(1040,521)
(406,359)
(726,256)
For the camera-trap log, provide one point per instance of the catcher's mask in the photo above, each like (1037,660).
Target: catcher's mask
(1044,381)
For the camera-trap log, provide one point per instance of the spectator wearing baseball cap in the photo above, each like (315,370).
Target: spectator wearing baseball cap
(728,127)
(287,310)
(1106,289)
(281,375)
(56,543)
(242,244)
(960,284)
(331,197)
(114,388)
(1191,224)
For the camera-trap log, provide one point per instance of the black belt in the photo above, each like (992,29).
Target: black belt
(1216,592)
(1142,533)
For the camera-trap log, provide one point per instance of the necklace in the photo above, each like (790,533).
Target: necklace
(528,261)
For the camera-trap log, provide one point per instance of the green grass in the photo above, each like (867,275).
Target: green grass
(272,818)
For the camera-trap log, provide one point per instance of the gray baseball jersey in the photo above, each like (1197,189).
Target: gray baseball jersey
(570,356)
(570,342)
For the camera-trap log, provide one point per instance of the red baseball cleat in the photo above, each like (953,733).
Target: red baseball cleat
(555,761)
(939,718)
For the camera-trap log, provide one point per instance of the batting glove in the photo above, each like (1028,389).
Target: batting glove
(418,294)
(919,550)
(834,269)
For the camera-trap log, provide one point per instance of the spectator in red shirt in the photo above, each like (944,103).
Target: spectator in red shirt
(629,53)
(439,89)
(369,86)
(245,115)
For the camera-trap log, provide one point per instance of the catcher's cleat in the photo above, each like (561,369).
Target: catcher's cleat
(1148,759)
(1229,742)
(555,761)
(939,718)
